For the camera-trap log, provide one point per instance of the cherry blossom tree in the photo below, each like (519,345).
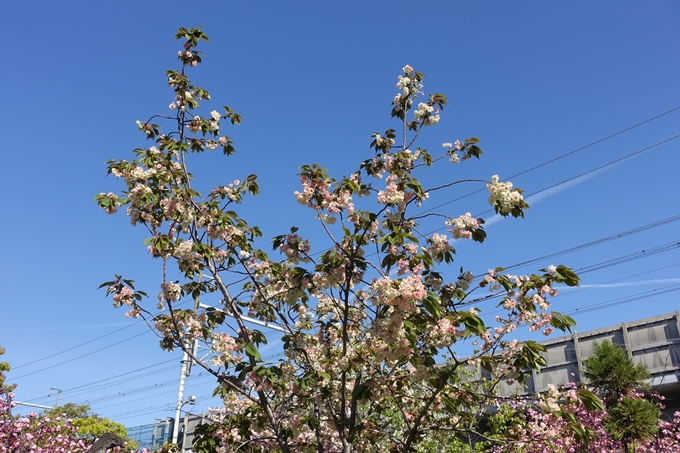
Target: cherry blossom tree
(371,318)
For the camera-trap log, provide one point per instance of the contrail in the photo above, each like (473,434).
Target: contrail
(623,284)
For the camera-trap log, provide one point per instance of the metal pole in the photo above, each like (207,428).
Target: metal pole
(180,397)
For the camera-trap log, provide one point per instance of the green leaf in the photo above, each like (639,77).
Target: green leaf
(487,363)
(473,323)
(590,400)
(562,322)
(567,276)
(432,305)
(362,391)
(252,352)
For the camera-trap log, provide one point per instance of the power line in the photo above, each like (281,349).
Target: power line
(648,272)
(80,357)
(137,390)
(594,243)
(497,296)
(627,156)
(595,267)
(85,343)
(149,410)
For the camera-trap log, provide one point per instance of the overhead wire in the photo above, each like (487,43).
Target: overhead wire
(631,257)
(595,286)
(81,356)
(598,266)
(579,289)
(623,300)
(74,347)
(142,389)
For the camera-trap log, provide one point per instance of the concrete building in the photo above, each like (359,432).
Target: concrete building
(654,342)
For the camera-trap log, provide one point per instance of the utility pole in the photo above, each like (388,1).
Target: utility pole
(186,370)
(186,364)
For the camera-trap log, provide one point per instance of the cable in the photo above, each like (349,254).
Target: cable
(150,387)
(137,412)
(594,267)
(585,173)
(87,342)
(124,381)
(579,289)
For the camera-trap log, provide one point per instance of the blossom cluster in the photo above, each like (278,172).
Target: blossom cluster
(391,195)
(503,197)
(296,249)
(463,226)
(316,195)
(427,114)
(552,420)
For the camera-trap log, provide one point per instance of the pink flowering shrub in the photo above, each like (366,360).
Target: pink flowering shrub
(371,319)
(568,424)
(34,433)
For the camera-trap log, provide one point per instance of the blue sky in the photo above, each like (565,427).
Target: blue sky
(533,80)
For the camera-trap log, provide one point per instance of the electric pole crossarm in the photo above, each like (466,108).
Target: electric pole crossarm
(252,321)
(33,405)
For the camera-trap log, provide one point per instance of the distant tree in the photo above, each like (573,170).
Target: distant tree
(90,425)
(616,378)
(612,374)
